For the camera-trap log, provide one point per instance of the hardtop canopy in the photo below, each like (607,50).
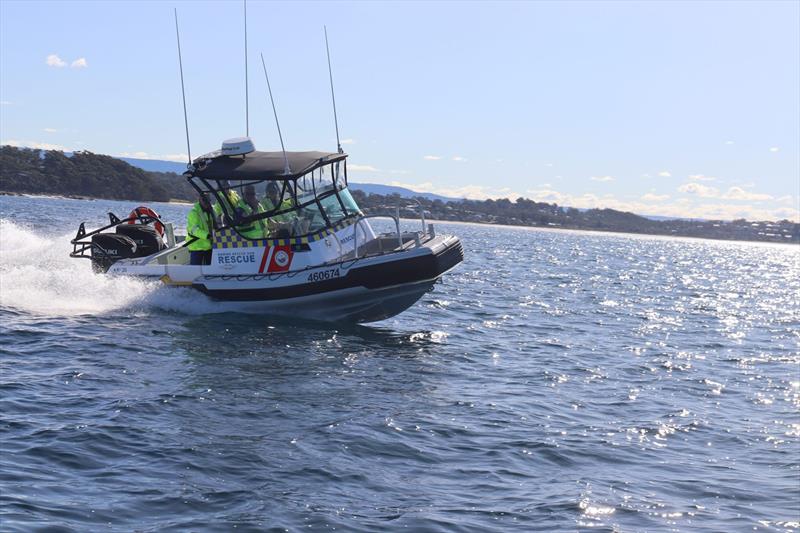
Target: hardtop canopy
(262,165)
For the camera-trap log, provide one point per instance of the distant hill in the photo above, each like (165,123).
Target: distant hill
(154,165)
(386,190)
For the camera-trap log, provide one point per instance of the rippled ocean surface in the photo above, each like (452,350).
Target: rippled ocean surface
(554,381)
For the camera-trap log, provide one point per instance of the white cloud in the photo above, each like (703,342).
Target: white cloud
(697,189)
(701,177)
(362,168)
(470,192)
(774,149)
(458,158)
(135,155)
(729,142)
(49,130)
(432,157)
(651,197)
(665,174)
(548,164)
(601,178)
(54,61)
(737,193)
(348,141)
(678,208)
(375,170)
(551,196)
(35,144)
(731,212)
(787,199)
(178,158)
(79,63)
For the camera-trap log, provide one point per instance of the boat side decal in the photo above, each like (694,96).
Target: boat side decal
(281,259)
(235,260)
(228,238)
(264,259)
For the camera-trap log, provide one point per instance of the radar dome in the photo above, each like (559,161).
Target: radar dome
(238,146)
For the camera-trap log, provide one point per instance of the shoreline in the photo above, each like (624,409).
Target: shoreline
(178,202)
(609,233)
(172,201)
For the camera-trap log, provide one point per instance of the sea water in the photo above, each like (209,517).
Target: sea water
(553,381)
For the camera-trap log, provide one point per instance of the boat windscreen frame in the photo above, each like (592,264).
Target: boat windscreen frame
(219,189)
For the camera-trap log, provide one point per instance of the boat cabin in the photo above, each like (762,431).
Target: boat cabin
(294,205)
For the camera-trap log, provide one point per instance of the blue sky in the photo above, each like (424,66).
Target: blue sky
(663,108)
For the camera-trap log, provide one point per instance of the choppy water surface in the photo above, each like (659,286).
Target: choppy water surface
(554,381)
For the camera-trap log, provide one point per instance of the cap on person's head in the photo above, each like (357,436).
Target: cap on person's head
(273,188)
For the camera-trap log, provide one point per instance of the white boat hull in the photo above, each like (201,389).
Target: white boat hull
(355,290)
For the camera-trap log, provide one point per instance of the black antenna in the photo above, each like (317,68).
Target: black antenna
(183,90)
(246,93)
(285,158)
(330,75)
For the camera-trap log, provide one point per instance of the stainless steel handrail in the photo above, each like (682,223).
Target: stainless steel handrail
(363,218)
(421,215)
(339,242)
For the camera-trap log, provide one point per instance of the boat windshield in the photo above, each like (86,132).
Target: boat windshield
(259,209)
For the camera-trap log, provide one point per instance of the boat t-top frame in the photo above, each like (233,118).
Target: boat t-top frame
(316,192)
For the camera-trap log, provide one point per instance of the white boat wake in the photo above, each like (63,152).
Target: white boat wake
(38,277)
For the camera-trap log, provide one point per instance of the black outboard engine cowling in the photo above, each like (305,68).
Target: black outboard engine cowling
(108,248)
(147,239)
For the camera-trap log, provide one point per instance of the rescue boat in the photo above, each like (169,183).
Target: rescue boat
(319,257)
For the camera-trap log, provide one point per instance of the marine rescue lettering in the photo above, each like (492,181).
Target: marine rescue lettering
(235,258)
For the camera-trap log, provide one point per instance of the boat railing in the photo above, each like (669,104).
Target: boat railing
(82,242)
(339,242)
(363,218)
(418,236)
(421,214)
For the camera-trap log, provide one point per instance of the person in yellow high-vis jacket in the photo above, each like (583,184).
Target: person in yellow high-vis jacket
(199,228)
(257,229)
(232,200)
(277,225)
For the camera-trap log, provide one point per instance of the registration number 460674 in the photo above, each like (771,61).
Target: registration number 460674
(324,275)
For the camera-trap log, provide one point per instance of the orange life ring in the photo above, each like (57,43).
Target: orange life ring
(144,211)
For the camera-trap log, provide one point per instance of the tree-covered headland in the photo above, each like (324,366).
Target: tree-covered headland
(84,174)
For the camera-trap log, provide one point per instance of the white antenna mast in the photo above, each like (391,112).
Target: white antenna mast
(330,75)
(246,92)
(183,90)
(285,158)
